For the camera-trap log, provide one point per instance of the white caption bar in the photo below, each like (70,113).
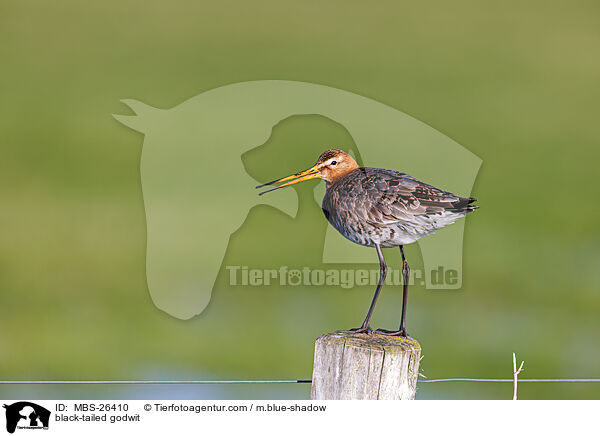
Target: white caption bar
(298,417)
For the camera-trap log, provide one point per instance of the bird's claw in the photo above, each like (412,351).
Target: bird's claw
(366,330)
(401,333)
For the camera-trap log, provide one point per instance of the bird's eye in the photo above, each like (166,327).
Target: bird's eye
(333,162)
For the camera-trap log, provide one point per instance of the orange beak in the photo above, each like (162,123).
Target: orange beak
(311,173)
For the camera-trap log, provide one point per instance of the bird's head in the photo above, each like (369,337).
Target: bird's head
(331,166)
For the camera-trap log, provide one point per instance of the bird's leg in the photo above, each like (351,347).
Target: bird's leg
(405,276)
(365,328)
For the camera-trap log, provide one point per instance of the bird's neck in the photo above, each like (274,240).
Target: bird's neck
(334,178)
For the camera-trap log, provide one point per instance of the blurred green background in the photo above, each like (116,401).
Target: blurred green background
(516,83)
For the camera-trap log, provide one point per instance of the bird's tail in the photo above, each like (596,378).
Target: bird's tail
(464,205)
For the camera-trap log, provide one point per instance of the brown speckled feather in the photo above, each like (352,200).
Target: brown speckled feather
(376,206)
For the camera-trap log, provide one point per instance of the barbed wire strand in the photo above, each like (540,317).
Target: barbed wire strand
(211,382)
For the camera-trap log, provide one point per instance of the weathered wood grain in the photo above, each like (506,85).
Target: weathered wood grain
(359,366)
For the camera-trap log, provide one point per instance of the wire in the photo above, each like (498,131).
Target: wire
(503,380)
(215,382)
(145,382)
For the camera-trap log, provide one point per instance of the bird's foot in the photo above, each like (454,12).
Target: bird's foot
(362,329)
(401,332)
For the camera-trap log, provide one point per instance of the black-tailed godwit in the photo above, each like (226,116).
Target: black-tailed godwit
(381,209)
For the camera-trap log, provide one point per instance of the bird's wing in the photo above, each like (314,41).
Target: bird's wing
(390,197)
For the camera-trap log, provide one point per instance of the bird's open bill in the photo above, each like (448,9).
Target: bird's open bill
(311,173)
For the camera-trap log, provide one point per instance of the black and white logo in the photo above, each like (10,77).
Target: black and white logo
(26,415)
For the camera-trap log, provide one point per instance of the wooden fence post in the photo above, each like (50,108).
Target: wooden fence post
(359,366)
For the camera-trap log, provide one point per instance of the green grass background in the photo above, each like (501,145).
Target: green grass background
(514,82)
